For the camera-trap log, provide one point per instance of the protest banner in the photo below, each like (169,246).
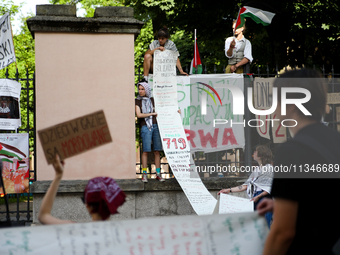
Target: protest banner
(75,136)
(7,53)
(219,234)
(14,154)
(199,128)
(234,204)
(10,117)
(175,144)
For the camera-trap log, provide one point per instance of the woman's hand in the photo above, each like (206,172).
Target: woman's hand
(224,191)
(58,165)
(255,199)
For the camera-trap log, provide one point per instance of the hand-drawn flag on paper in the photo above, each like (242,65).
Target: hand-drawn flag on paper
(196,64)
(7,54)
(260,16)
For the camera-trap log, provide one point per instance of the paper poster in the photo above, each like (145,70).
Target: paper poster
(263,126)
(199,126)
(219,234)
(175,144)
(209,120)
(7,53)
(74,137)
(14,154)
(263,91)
(279,132)
(233,204)
(10,118)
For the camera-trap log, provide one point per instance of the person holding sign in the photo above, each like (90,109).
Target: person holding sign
(102,197)
(161,44)
(306,211)
(238,50)
(259,183)
(144,106)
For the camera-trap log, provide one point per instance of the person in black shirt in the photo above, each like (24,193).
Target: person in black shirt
(306,174)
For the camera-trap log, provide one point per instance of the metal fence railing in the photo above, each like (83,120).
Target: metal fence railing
(19,210)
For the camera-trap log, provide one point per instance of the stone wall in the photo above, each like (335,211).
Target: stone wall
(150,199)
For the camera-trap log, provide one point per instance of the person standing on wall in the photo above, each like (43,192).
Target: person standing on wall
(238,50)
(161,44)
(144,106)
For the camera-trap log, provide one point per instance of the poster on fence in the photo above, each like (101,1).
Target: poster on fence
(10,117)
(76,136)
(14,154)
(263,93)
(216,129)
(218,234)
(7,53)
(174,140)
(209,120)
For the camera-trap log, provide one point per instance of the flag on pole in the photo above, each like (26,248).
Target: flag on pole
(258,15)
(7,53)
(196,64)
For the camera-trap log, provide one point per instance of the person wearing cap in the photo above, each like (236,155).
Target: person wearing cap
(144,106)
(237,50)
(161,44)
(102,197)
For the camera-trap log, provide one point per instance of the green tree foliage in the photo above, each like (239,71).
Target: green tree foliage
(24,51)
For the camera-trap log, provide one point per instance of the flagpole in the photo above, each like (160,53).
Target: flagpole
(195,57)
(236,21)
(16,65)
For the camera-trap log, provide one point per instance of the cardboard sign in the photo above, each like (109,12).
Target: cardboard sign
(74,137)
(333,98)
(338,117)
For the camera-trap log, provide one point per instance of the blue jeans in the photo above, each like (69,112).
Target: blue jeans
(148,136)
(268,215)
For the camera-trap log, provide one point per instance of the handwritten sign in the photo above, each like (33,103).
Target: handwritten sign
(74,137)
(233,204)
(333,98)
(7,54)
(219,234)
(263,126)
(263,91)
(175,143)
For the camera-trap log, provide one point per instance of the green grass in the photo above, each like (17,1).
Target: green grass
(14,199)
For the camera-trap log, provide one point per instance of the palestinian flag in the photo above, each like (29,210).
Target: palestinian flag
(9,152)
(196,64)
(260,16)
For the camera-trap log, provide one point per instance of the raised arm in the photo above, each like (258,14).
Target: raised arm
(45,216)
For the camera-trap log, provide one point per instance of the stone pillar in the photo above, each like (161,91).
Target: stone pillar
(84,65)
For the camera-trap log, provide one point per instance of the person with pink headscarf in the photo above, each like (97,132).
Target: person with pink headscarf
(102,197)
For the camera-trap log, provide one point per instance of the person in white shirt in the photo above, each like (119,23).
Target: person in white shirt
(259,183)
(238,50)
